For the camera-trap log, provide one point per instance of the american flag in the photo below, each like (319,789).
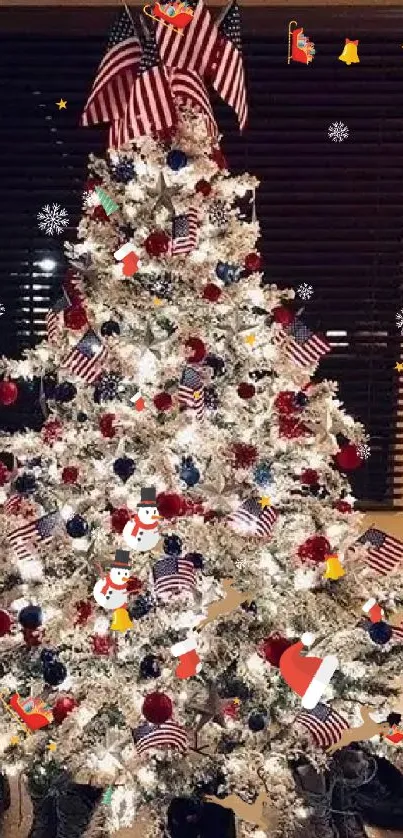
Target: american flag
(303,346)
(324,724)
(251,519)
(87,357)
(116,74)
(32,533)
(167,735)
(191,391)
(384,552)
(193,48)
(187,87)
(227,70)
(72,287)
(171,575)
(397,632)
(150,108)
(12,503)
(53,318)
(184,232)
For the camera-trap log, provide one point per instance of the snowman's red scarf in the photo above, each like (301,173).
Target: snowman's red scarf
(110,584)
(137,525)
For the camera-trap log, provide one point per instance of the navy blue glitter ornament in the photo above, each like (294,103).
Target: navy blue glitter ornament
(140,607)
(176,159)
(197,560)
(123,171)
(211,400)
(107,388)
(173,545)
(48,655)
(77,527)
(228,273)
(262,473)
(49,386)
(124,467)
(65,392)
(380,633)
(216,363)
(188,472)
(150,667)
(30,617)
(109,328)
(256,722)
(25,483)
(54,673)
(301,399)
(82,417)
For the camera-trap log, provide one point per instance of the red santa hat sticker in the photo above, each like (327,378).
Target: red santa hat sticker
(307,676)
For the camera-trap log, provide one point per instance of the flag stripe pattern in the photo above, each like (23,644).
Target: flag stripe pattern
(194,48)
(167,735)
(33,532)
(189,89)
(53,317)
(251,519)
(384,552)
(184,233)
(150,108)
(303,346)
(323,724)
(12,503)
(116,74)
(227,68)
(171,575)
(191,391)
(87,357)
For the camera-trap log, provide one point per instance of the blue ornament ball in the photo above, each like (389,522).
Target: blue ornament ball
(228,273)
(123,171)
(124,467)
(176,159)
(48,656)
(150,667)
(109,328)
(30,617)
(262,474)
(188,472)
(380,633)
(257,722)
(54,673)
(49,386)
(173,545)
(77,527)
(25,483)
(197,560)
(141,606)
(65,392)
(82,417)
(301,399)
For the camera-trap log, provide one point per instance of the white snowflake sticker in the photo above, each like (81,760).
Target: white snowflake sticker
(52,219)
(337,132)
(305,291)
(399,319)
(363,450)
(2,309)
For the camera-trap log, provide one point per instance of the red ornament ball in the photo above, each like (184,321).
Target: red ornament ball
(272,648)
(62,707)
(343,506)
(246,391)
(102,644)
(33,637)
(157,708)
(70,474)
(84,611)
(211,292)
(75,318)
(203,187)
(348,458)
(119,519)
(106,425)
(309,477)
(197,350)
(8,392)
(163,401)
(134,585)
(170,505)
(253,262)
(291,428)
(244,455)
(4,474)
(285,402)
(157,243)
(219,158)
(5,623)
(283,315)
(314,549)
(52,431)
(99,214)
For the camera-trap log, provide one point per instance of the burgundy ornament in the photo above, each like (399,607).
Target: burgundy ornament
(272,648)
(5,623)
(253,262)
(283,315)
(163,401)
(348,458)
(62,707)
(75,318)
(314,549)
(157,708)
(197,350)
(203,187)
(246,390)
(119,519)
(309,477)
(212,292)
(157,243)
(170,505)
(8,393)
(70,474)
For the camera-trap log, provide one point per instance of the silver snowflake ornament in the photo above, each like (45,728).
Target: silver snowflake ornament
(52,219)
(363,450)
(337,132)
(2,309)
(399,319)
(305,291)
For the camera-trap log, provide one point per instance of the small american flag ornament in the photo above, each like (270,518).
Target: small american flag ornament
(87,357)
(191,391)
(252,519)
(172,576)
(384,553)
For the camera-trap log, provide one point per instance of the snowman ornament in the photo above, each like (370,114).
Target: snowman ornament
(111,591)
(141,532)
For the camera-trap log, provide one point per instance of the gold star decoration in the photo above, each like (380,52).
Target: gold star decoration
(399,367)
(250,339)
(212,711)
(157,301)
(264,501)
(52,746)
(197,394)
(62,104)
(15,740)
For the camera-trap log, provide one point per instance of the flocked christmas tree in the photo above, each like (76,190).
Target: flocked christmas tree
(178,384)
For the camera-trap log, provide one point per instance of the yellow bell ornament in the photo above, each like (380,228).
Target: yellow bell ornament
(350,54)
(334,568)
(121,620)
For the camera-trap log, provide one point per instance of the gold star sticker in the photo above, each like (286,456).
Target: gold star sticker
(250,339)
(62,104)
(157,301)
(399,367)
(52,746)
(265,501)
(15,740)
(197,394)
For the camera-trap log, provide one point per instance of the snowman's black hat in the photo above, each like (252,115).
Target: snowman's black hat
(148,497)
(122,559)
